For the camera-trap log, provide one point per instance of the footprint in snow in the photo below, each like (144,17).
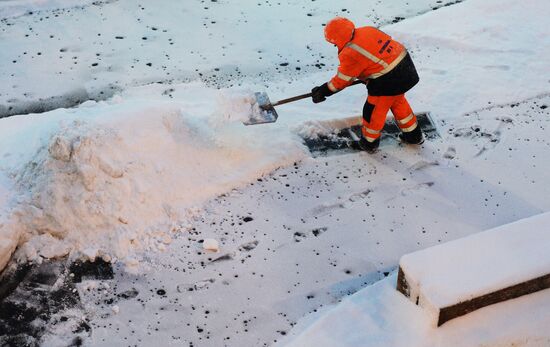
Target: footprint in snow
(200,285)
(416,187)
(422,164)
(245,247)
(476,132)
(299,236)
(128,294)
(227,256)
(450,153)
(325,209)
(318,231)
(248,246)
(494,140)
(359,196)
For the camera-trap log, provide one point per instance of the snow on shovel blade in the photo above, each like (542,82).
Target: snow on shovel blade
(262,111)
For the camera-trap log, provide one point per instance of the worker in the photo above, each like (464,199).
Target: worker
(371,56)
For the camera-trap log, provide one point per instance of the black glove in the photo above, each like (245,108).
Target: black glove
(317,95)
(320,94)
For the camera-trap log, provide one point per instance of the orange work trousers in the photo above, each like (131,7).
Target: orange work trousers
(376,109)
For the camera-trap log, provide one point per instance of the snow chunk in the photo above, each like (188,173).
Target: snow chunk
(240,106)
(46,246)
(60,149)
(315,129)
(211,245)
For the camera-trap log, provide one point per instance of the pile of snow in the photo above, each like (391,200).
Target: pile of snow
(116,179)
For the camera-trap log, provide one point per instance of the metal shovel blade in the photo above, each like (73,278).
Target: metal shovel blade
(262,111)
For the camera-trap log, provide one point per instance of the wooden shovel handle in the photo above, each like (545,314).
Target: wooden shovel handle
(304,96)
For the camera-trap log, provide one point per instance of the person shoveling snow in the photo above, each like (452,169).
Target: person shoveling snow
(370,55)
(367,56)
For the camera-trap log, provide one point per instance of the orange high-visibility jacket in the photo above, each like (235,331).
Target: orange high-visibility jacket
(370,54)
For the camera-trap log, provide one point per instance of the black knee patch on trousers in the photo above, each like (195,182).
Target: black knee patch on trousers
(368,109)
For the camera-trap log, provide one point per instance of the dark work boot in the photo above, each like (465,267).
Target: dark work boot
(413,137)
(367,146)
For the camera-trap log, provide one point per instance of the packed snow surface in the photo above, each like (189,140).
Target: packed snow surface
(62,54)
(119,178)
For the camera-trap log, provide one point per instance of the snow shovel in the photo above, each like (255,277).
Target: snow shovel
(263,111)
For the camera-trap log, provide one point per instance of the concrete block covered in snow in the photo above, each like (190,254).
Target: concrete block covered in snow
(458,277)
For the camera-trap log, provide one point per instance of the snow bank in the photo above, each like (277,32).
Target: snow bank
(381,316)
(116,179)
(377,311)
(442,276)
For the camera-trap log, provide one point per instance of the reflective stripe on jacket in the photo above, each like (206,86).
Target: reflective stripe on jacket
(369,55)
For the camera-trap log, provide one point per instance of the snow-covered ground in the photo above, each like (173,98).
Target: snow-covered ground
(146,176)
(308,235)
(60,57)
(380,315)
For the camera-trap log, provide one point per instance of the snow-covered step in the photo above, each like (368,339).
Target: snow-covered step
(456,278)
